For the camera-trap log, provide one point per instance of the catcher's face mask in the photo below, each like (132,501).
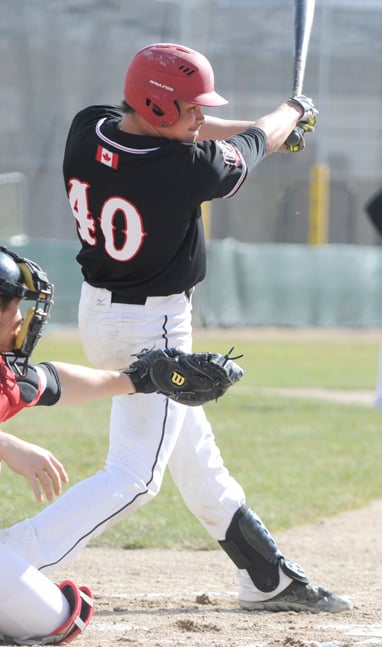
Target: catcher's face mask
(24,279)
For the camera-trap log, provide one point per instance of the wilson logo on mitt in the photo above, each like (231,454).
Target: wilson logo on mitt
(177,378)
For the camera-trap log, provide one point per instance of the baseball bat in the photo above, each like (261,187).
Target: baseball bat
(303,22)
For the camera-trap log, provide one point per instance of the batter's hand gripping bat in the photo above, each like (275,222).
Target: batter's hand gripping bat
(303,21)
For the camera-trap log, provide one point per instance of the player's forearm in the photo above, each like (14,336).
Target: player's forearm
(44,472)
(5,441)
(8,444)
(279,124)
(83,384)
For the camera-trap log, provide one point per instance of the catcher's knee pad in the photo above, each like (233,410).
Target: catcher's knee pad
(80,599)
(251,547)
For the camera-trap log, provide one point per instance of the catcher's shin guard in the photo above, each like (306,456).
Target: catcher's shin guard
(251,547)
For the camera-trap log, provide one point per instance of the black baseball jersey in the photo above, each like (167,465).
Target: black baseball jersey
(136,200)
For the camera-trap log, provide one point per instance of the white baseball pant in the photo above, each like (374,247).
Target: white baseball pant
(147,433)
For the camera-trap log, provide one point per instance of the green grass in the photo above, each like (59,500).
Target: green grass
(298,460)
(310,363)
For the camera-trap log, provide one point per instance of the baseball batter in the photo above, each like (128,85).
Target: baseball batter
(136,176)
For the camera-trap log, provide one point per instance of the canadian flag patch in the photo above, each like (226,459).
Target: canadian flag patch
(107,157)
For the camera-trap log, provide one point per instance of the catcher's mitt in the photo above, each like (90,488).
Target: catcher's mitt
(187,378)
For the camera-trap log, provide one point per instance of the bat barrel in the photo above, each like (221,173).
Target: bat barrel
(303,21)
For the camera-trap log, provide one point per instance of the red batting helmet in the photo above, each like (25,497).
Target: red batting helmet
(163,73)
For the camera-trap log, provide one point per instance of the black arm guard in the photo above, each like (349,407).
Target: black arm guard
(28,380)
(52,391)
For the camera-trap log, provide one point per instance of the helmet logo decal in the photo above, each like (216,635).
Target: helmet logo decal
(161,85)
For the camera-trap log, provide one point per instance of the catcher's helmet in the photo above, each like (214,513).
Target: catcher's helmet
(24,279)
(163,73)
(11,278)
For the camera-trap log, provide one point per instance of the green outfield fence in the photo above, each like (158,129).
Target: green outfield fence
(57,258)
(252,285)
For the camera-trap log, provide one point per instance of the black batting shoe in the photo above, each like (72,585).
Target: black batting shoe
(301,597)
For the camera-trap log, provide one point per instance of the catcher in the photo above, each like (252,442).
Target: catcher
(53,614)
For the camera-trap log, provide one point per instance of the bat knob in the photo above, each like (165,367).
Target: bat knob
(296,140)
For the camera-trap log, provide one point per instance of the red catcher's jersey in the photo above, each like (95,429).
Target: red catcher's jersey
(136,200)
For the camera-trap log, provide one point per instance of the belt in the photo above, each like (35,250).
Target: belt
(137,301)
(120,298)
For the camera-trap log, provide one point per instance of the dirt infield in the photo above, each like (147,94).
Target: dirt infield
(164,598)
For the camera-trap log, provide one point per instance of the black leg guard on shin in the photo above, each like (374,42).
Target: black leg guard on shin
(251,547)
